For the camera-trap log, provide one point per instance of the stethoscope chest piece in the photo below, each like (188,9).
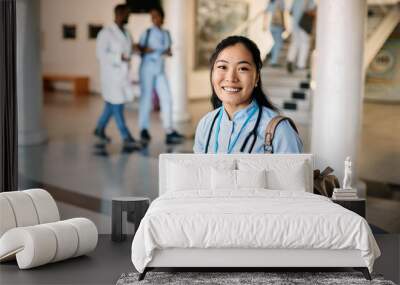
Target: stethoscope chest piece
(267,148)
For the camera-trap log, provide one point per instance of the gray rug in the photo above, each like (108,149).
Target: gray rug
(229,278)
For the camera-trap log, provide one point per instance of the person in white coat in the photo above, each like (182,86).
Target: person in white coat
(155,44)
(114,51)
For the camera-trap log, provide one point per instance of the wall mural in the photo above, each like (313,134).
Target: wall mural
(214,20)
(383,75)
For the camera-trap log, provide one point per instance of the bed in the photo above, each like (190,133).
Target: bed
(247,211)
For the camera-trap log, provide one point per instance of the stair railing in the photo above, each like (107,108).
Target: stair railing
(381,32)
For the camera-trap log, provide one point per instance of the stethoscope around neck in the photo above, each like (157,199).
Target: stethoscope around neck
(252,134)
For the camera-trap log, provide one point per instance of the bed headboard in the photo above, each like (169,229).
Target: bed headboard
(164,159)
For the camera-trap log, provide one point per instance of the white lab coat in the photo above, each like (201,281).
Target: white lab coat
(116,87)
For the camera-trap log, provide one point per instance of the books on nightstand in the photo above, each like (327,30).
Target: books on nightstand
(344,194)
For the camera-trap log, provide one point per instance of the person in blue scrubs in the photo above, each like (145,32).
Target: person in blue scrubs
(239,102)
(154,45)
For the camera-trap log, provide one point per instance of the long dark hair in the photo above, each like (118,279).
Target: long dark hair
(258,94)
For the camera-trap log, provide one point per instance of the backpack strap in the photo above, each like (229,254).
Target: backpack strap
(270,131)
(169,38)
(146,41)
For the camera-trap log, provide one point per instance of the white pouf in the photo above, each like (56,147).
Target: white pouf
(7,216)
(45,205)
(31,233)
(67,237)
(23,208)
(37,245)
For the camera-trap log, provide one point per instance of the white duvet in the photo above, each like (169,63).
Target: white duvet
(252,218)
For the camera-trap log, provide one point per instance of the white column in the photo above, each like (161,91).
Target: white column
(176,12)
(339,85)
(29,84)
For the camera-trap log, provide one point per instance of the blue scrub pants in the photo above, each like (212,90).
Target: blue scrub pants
(152,78)
(116,110)
(276,32)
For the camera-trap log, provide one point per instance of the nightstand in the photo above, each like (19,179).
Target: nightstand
(135,208)
(355,205)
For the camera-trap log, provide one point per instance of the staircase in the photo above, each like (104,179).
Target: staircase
(291,93)
(379,87)
(382,20)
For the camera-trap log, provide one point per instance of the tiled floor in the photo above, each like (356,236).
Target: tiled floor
(71,160)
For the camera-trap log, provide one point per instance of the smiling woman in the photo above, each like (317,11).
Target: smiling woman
(234,76)
(242,111)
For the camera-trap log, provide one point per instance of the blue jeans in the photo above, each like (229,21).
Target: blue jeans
(116,110)
(276,32)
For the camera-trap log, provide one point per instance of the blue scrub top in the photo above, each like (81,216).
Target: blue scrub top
(159,40)
(286,140)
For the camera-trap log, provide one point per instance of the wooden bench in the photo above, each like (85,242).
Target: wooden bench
(80,83)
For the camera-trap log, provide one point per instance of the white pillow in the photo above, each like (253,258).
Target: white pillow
(282,174)
(251,178)
(293,180)
(223,179)
(183,178)
(193,175)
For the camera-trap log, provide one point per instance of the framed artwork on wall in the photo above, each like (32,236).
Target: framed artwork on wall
(93,30)
(214,21)
(69,31)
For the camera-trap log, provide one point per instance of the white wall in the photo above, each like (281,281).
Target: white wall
(78,56)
